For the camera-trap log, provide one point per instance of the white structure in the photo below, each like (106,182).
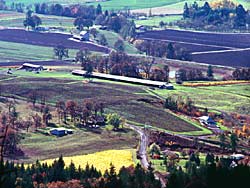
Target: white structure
(237,156)
(83,36)
(162,85)
(208,121)
(31,67)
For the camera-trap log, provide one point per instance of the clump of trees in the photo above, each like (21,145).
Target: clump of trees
(3,5)
(32,20)
(183,105)
(120,63)
(83,113)
(163,49)
(9,137)
(86,16)
(115,120)
(189,75)
(214,173)
(241,74)
(60,52)
(219,15)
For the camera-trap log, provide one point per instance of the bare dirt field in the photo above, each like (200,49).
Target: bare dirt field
(46,39)
(208,42)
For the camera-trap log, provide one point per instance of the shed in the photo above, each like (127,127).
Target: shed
(83,36)
(237,157)
(31,67)
(60,131)
(208,121)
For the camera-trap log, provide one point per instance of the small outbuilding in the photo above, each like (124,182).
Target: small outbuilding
(237,157)
(208,121)
(59,132)
(31,67)
(83,36)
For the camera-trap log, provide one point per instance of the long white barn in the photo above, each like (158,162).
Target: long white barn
(125,79)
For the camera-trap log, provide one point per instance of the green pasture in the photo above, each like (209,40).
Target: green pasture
(17,52)
(82,142)
(229,98)
(154,21)
(111,4)
(14,19)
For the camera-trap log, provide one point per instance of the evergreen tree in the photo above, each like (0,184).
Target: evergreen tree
(240,18)
(210,72)
(186,13)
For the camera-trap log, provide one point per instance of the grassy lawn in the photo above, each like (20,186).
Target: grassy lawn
(230,98)
(17,52)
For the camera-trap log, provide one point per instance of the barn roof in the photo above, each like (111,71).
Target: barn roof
(31,65)
(122,78)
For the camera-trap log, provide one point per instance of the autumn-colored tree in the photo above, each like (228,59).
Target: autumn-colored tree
(37,121)
(71,109)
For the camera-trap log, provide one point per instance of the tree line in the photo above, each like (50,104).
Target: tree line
(225,15)
(163,49)
(241,74)
(58,175)
(120,63)
(194,75)
(86,16)
(185,106)
(215,173)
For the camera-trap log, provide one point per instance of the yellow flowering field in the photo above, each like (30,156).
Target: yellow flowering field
(101,160)
(216,83)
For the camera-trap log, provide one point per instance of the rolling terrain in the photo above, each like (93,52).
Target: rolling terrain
(218,48)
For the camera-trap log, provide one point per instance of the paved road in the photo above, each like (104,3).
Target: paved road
(143,152)
(143,145)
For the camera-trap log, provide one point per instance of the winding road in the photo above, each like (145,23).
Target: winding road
(143,152)
(143,145)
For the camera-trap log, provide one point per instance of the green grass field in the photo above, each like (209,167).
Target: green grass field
(83,141)
(154,21)
(18,52)
(230,98)
(112,4)
(14,19)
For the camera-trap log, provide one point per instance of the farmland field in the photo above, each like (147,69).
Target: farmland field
(82,142)
(17,52)
(101,160)
(116,97)
(230,58)
(14,19)
(111,4)
(206,42)
(228,98)
(177,8)
(154,21)
(46,39)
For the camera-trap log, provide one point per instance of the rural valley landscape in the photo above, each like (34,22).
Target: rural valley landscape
(124,94)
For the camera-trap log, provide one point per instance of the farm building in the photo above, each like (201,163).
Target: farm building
(84,36)
(237,157)
(60,131)
(31,67)
(162,85)
(208,121)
